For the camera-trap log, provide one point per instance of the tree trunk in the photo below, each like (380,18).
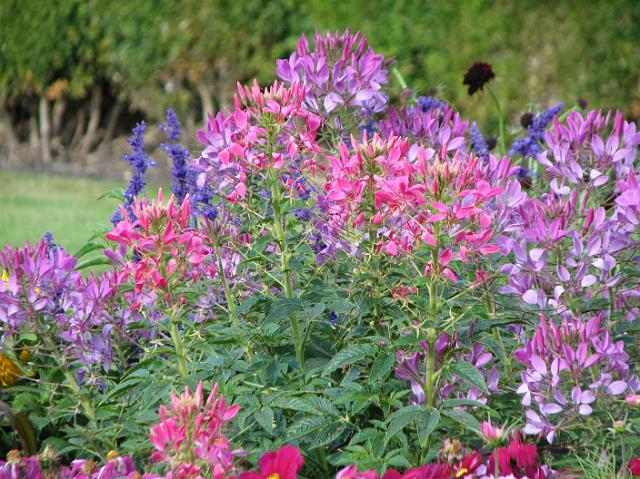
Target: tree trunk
(77,134)
(45,129)
(206,100)
(95,111)
(59,108)
(9,133)
(34,137)
(112,122)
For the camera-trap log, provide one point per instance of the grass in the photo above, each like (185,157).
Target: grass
(33,203)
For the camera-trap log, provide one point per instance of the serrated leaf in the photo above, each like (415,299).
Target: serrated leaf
(469,374)
(264,417)
(282,308)
(364,435)
(349,355)
(305,426)
(426,423)
(464,418)
(323,405)
(382,367)
(400,419)
(296,404)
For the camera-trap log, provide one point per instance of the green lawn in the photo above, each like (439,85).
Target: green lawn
(33,203)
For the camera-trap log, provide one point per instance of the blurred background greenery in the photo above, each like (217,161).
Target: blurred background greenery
(75,75)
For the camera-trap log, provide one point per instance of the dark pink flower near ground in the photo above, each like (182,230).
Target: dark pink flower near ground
(281,464)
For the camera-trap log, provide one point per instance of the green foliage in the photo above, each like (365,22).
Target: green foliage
(190,54)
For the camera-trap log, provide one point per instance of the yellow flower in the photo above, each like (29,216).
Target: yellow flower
(9,371)
(5,277)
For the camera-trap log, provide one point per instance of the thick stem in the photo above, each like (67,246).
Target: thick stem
(501,129)
(431,341)
(177,343)
(281,239)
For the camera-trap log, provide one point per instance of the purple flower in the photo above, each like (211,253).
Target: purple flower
(179,156)
(139,162)
(412,367)
(478,143)
(341,71)
(557,384)
(530,145)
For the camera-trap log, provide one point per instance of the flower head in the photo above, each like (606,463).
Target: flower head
(9,371)
(281,464)
(477,76)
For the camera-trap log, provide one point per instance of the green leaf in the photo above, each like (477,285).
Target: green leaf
(296,404)
(469,373)
(401,418)
(323,405)
(349,355)
(455,402)
(283,308)
(464,418)
(88,248)
(264,417)
(97,261)
(382,367)
(426,423)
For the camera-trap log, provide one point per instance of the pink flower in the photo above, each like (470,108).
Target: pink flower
(491,433)
(282,464)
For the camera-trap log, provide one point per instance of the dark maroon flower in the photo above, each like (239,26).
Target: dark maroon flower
(526,119)
(477,76)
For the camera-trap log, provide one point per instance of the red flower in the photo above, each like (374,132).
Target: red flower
(634,466)
(283,464)
(429,471)
(468,465)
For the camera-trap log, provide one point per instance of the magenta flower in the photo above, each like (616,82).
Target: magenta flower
(281,464)
(190,433)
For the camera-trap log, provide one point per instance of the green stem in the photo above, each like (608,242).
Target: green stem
(177,343)
(71,381)
(228,295)
(501,129)
(399,77)
(281,239)
(431,341)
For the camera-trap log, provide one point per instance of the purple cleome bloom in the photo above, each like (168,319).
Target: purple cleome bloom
(340,71)
(558,383)
(409,368)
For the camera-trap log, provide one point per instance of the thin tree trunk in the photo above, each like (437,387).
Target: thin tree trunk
(112,122)
(206,100)
(45,129)
(34,137)
(59,108)
(9,134)
(95,111)
(77,134)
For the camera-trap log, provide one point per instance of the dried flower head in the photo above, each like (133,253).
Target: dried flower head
(9,371)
